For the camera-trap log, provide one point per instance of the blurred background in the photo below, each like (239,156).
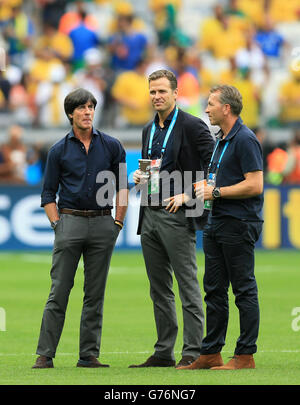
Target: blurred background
(49,47)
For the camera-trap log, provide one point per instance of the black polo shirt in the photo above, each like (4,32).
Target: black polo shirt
(72,172)
(158,140)
(167,164)
(242,155)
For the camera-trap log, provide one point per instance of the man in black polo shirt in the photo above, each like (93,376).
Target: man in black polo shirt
(234,226)
(85,167)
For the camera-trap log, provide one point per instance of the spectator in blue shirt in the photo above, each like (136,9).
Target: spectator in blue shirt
(80,166)
(270,40)
(126,46)
(83,38)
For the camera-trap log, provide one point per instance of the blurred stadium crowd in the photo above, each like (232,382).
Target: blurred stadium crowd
(49,47)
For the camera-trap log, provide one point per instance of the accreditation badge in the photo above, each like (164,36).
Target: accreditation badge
(154,176)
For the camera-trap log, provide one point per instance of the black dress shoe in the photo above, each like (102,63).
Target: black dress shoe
(90,362)
(43,362)
(186,361)
(153,361)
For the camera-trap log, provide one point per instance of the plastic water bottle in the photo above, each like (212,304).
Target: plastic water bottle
(211,181)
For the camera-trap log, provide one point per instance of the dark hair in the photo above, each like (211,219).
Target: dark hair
(76,98)
(230,95)
(158,74)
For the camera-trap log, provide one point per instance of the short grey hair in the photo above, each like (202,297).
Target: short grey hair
(229,95)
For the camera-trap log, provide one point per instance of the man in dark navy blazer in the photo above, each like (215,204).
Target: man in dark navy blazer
(177,143)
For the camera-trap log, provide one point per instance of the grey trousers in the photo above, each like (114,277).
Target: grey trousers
(169,245)
(93,238)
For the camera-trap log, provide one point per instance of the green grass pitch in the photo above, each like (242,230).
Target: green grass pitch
(129,330)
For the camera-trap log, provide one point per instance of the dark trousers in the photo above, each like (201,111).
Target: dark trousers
(94,239)
(228,245)
(170,246)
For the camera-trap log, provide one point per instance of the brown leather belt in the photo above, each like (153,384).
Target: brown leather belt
(85,213)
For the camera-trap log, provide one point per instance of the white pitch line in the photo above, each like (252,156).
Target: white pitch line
(44,258)
(38,258)
(145,352)
(47,259)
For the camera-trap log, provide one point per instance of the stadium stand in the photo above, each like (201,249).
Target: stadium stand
(52,46)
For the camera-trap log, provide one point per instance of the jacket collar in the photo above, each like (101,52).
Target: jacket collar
(167,120)
(177,134)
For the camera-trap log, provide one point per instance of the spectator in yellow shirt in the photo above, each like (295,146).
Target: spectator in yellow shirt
(58,42)
(238,18)
(40,70)
(6,10)
(228,74)
(159,9)
(284,11)
(220,36)
(289,99)
(227,43)
(210,28)
(131,92)
(253,9)
(42,63)
(251,99)
(124,8)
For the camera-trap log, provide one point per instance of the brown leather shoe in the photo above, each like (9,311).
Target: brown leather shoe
(155,362)
(204,361)
(43,362)
(238,362)
(185,361)
(92,362)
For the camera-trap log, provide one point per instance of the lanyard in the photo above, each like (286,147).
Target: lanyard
(153,128)
(221,156)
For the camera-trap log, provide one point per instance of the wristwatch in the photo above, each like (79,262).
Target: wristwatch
(216,193)
(53,224)
(119,224)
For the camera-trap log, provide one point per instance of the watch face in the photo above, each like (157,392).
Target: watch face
(216,192)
